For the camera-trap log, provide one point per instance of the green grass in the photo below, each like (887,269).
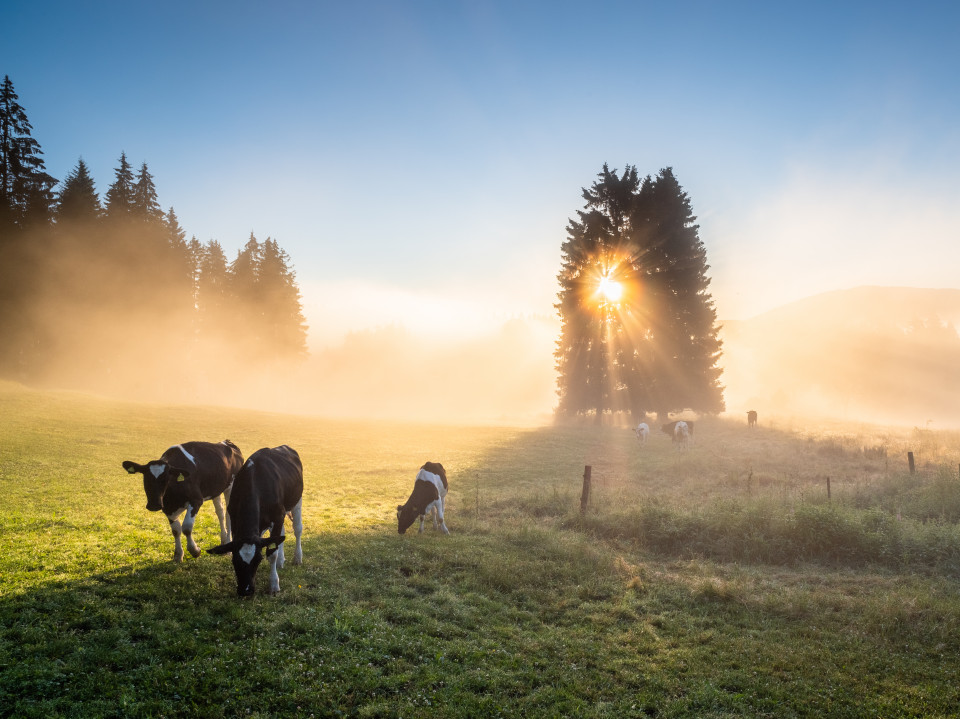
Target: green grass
(719,582)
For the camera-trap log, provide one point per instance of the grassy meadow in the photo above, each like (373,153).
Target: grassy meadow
(717,582)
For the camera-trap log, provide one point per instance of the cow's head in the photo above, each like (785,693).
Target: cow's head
(157,476)
(246,558)
(406,514)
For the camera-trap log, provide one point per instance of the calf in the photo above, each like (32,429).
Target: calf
(184,476)
(751,418)
(429,491)
(268,488)
(643,431)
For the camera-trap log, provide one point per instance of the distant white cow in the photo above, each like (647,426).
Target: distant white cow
(681,435)
(643,431)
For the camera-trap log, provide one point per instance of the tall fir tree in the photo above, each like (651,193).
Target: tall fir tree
(594,251)
(78,200)
(213,290)
(654,347)
(285,329)
(672,264)
(26,190)
(118,202)
(144,204)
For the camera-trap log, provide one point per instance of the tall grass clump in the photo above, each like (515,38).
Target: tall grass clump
(764,533)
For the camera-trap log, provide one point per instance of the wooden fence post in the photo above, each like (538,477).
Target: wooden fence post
(910,460)
(585,495)
(828,489)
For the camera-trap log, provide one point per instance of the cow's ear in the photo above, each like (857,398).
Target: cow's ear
(223,548)
(132,467)
(272,544)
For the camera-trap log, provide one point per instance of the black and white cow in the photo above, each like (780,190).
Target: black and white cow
(183,477)
(267,488)
(429,491)
(680,431)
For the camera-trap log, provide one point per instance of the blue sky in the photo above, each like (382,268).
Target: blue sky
(419,160)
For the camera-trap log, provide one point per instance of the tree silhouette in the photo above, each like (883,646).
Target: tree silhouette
(118,202)
(144,205)
(26,190)
(78,200)
(651,346)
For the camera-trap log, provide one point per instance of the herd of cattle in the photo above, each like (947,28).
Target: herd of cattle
(260,493)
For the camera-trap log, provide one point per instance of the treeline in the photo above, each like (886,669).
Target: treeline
(109,294)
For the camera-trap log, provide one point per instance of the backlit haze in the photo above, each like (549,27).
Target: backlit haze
(419,162)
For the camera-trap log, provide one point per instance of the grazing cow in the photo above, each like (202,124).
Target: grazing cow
(184,476)
(671,428)
(429,491)
(751,418)
(268,488)
(680,431)
(643,431)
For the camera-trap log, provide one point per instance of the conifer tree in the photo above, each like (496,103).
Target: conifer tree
(118,202)
(654,346)
(78,200)
(144,204)
(26,190)
(213,289)
(285,329)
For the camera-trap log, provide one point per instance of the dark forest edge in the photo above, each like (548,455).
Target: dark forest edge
(92,292)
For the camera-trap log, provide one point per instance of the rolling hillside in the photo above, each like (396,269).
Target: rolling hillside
(879,354)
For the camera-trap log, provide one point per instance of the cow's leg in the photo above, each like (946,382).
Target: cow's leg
(421,524)
(439,510)
(175,528)
(224,526)
(226,502)
(281,559)
(188,521)
(274,577)
(296,515)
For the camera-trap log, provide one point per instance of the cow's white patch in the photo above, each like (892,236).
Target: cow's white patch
(156,470)
(187,454)
(246,552)
(249,462)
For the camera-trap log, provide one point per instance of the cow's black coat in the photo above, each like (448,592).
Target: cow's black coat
(186,475)
(268,486)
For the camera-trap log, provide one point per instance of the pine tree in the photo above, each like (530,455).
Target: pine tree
(26,190)
(594,252)
(78,200)
(213,292)
(671,261)
(119,200)
(285,329)
(144,204)
(654,347)
(183,263)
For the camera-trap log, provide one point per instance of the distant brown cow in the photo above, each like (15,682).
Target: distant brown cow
(751,418)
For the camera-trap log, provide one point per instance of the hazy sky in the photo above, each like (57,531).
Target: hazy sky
(419,160)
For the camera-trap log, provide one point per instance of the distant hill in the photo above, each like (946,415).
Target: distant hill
(881,354)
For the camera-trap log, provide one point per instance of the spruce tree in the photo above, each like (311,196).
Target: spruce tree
(78,200)
(588,376)
(118,202)
(213,292)
(654,347)
(671,261)
(285,329)
(26,190)
(144,204)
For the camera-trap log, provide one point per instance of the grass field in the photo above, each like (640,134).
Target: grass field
(717,582)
